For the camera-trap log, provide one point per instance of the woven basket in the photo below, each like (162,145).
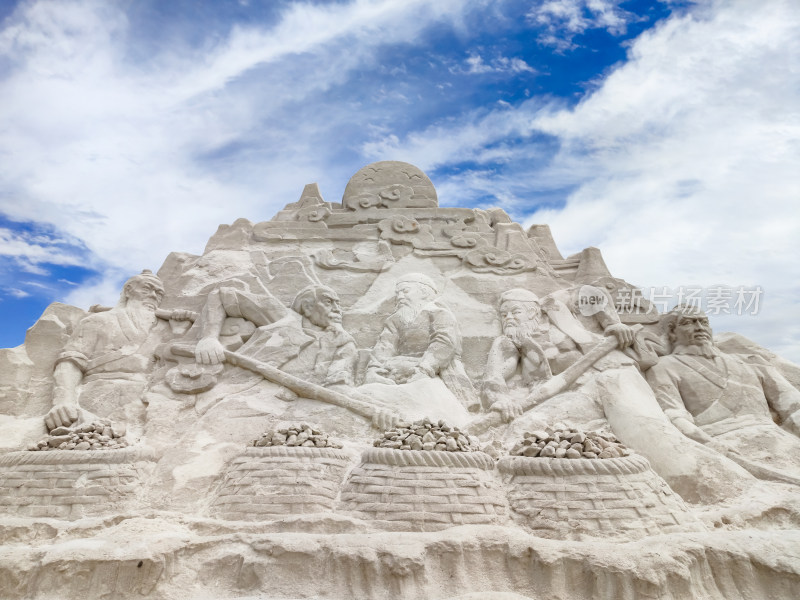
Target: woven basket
(574,498)
(417,490)
(279,481)
(70,484)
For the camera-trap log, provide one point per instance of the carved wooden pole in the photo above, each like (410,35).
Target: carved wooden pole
(306,389)
(551,387)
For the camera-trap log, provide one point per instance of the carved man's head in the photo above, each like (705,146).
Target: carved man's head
(688,326)
(414,289)
(519,311)
(319,304)
(412,293)
(144,289)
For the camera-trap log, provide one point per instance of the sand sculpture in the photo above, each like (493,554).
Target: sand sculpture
(387,398)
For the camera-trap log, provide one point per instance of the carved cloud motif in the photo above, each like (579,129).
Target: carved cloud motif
(402,230)
(468,239)
(396,192)
(492,260)
(395,195)
(314,213)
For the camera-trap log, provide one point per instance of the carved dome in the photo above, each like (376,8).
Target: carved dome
(389,184)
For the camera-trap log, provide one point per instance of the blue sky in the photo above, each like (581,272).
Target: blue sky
(664,133)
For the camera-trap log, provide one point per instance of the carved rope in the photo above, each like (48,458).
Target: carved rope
(561,467)
(427,458)
(296,451)
(62,457)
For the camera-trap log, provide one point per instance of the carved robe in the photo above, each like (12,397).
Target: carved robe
(115,354)
(433,337)
(733,401)
(112,345)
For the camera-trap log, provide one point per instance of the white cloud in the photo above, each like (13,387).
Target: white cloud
(475,65)
(32,250)
(564,19)
(689,159)
(17,293)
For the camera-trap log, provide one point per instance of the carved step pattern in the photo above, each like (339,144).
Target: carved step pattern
(71,484)
(579,498)
(280,481)
(410,490)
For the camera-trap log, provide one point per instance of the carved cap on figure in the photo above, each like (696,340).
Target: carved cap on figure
(518,295)
(418,278)
(146,276)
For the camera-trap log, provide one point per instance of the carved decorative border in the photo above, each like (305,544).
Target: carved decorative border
(427,458)
(295,451)
(63,457)
(562,467)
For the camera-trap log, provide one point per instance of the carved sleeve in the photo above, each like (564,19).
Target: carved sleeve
(81,344)
(445,341)
(343,364)
(782,397)
(261,309)
(501,363)
(386,346)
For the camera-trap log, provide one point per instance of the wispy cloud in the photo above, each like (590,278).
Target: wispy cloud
(475,64)
(34,249)
(693,153)
(564,19)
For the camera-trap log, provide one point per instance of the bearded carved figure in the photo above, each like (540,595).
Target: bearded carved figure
(102,369)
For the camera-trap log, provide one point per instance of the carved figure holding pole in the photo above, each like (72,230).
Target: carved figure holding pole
(305,349)
(605,388)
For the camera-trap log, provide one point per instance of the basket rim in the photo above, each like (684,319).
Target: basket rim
(535,465)
(428,458)
(63,457)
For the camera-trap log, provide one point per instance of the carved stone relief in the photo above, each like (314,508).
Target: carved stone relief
(368,388)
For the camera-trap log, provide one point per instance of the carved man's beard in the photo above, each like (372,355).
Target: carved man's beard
(407,311)
(142,314)
(325,318)
(518,331)
(704,348)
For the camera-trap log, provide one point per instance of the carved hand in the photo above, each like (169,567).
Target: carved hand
(402,368)
(180,314)
(508,409)
(209,351)
(61,415)
(622,332)
(376,376)
(383,419)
